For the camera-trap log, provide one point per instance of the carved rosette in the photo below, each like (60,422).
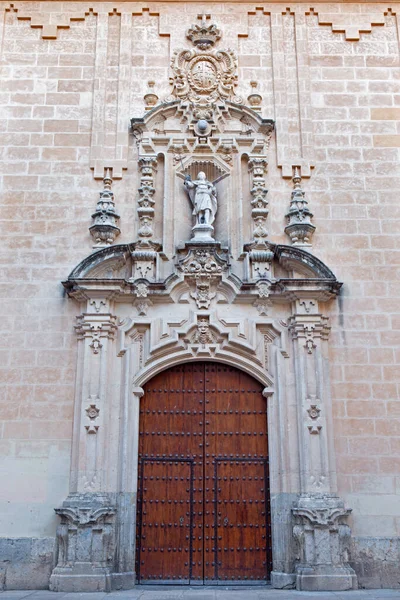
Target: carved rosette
(299,226)
(105,228)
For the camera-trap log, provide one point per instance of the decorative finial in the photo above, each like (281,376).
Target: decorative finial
(299,227)
(254,99)
(105,228)
(150,97)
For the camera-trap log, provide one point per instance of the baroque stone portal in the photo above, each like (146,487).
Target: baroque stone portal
(180,293)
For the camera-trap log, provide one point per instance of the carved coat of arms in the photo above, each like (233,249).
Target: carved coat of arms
(204,75)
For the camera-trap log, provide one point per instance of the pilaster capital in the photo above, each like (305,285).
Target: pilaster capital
(96,326)
(309,328)
(258,164)
(320,511)
(148,162)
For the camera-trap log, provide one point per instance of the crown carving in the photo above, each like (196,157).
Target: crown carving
(203,36)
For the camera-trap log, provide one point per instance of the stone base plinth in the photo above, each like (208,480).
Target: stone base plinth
(323,544)
(325,579)
(83,577)
(203,233)
(123,581)
(283,581)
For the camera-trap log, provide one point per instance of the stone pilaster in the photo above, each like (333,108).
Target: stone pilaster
(260,256)
(259,203)
(320,530)
(148,166)
(145,252)
(86,534)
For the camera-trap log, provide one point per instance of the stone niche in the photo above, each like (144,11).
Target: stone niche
(202,281)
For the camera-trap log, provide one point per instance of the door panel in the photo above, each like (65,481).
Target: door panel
(203,501)
(240,505)
(165,524)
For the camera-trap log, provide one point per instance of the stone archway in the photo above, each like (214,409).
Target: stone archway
(203,513)
(131,329)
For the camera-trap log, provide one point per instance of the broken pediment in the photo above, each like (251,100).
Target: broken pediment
(206,273)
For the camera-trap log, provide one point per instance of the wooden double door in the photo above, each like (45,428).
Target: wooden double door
(203,491)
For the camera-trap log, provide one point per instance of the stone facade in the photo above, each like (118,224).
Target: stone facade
(291,111)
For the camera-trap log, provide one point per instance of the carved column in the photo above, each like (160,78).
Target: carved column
(320,530)
(260,255)
(259,203)
(86,535)
(145,253)
(148,165)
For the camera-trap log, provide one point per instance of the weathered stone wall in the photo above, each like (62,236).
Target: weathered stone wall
(25,562)
(72,75)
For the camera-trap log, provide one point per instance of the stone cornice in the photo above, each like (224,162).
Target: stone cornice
(110,271)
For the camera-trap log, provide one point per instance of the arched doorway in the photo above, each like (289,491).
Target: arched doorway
(203,491)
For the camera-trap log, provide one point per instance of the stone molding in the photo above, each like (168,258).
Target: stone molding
(113,266)
(352,26)
(39,20)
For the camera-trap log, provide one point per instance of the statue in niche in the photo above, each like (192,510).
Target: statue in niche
(203,196)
